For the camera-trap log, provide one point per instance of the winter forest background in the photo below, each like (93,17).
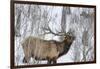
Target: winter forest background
(30,20)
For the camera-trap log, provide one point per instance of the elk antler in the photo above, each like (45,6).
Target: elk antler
(49,31)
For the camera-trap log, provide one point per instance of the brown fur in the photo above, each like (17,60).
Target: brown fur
(45,50)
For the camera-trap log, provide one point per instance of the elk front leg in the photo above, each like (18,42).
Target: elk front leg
(26,59)
(49,61)
(54,60)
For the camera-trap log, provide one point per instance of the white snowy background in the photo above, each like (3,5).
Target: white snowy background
(30,19)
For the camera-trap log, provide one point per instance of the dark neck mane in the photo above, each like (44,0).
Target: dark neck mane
(66,48)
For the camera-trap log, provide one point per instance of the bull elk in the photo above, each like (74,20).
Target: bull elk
(49,50)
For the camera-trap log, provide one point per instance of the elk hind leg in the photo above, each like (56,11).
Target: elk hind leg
(25,60)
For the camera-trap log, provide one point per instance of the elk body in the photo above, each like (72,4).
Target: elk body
(48,50)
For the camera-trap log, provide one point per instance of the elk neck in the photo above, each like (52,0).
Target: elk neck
(66,47)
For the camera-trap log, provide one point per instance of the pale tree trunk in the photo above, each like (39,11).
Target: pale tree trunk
(18,23)
(63,20)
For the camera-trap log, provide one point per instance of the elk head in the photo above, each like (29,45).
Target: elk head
(69,37)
